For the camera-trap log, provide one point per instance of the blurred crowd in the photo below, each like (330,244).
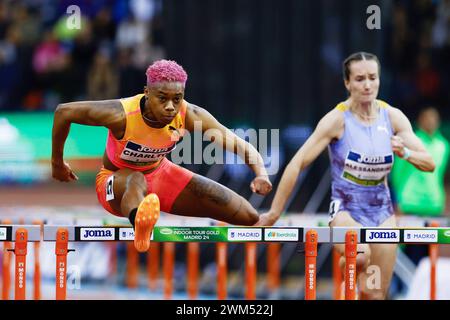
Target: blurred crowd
(44,60)
(418,54)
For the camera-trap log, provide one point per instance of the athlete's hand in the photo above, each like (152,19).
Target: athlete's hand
(63,172)
(398,146)
(267,219)
(261,185)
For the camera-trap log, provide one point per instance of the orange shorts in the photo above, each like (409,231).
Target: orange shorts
(167,181)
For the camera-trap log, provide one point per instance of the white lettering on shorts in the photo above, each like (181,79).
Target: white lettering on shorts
(110,188)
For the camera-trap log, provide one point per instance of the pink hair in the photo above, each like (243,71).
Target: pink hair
(165,71)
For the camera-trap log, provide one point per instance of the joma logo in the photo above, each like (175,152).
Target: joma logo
(97,234)
(382,235)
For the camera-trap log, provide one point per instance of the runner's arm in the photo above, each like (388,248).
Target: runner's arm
(224,137)
(328,129)
(108,113)
(405,137)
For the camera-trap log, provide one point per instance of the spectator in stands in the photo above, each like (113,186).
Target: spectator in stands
(103,82)
(131,33)
(47,54)
(103,27)
(130,77)
(9,68)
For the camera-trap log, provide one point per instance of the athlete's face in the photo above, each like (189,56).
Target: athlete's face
(164,101)
(364,81)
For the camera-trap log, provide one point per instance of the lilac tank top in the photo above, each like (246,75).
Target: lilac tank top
(360,162)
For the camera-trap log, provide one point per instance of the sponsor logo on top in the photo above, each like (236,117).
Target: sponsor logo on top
(126,234)
(447,233)
(381,235)
(244,234)
(166,231)
(2,233)
(101,234)
(281,234)
(421,236)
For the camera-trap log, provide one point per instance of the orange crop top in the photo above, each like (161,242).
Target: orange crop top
(143,147)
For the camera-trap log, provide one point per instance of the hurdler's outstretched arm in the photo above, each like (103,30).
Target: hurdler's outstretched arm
(107,113)
(328,129)
(231,142)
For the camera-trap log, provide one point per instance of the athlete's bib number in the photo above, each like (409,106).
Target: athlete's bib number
(110,188)
(335,205)
(140,154)
(366,170)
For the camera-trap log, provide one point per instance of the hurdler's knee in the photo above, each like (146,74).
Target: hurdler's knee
(248,212)
(136,179)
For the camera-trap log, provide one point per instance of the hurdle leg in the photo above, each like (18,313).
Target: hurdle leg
(37,273)
(273,266)
(61,250)
(433,251)
(37,267)
(351,241)
(20,251)
(193,251)
(132,272)
(153,265)
(250,271)
(112,247)
(310,265)
(6,270)
(337,275)
(6,267)
(168,266)
(221,257)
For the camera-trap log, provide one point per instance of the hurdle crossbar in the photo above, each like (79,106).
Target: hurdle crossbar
(8,232)
(437,235)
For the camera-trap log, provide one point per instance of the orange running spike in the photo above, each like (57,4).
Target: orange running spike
(20,250)
(351,241)
(146,217)
(310,264)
